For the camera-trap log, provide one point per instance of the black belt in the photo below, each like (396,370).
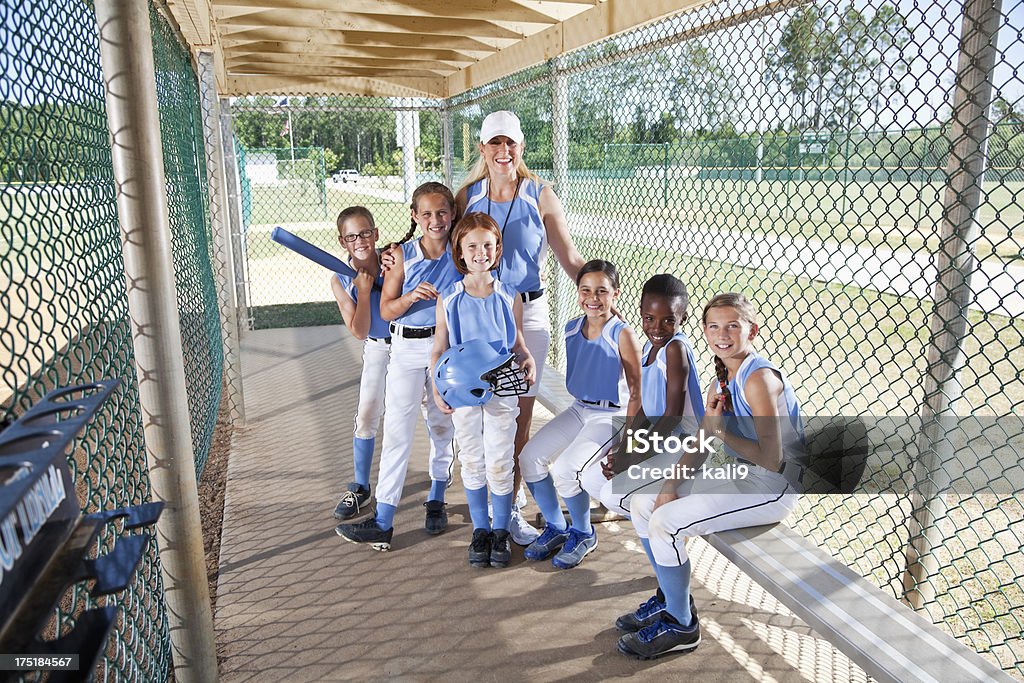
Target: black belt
(386,340)
(602,404)
(530,296)
(412,332)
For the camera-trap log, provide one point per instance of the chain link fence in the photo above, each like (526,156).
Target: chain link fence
(812,155)
(304,159)
(63,302)
(181,131)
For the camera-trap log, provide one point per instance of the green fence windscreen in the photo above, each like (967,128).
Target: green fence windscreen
(177,90)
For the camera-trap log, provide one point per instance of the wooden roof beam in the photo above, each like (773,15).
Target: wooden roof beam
(391,40)
(237,86)
(604,20)
(300,69)
(383,53)
(195,19)
(314,64)
(486,10)
(346,21)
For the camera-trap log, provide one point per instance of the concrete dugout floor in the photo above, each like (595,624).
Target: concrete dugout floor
(298,603)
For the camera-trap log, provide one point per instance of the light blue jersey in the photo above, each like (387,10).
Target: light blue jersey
(439,272)
(489,319)
(593,367)
(378,325)
(523,239)
(654,382)
(792,429)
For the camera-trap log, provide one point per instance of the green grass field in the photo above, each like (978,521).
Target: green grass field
(854,350)
(283,205)
(896,215)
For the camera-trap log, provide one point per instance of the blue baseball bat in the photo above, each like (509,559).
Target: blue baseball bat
(321,257)
(311,251)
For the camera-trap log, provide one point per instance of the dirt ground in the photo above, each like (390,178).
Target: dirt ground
(212,485)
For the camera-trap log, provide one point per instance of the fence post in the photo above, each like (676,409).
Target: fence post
(126,51)
(234,207)
(407,125)
(955,263)
(447,146)
(560,170)
(323,184)
(219,221)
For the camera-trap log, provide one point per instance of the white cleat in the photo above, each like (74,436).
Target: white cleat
(521,531)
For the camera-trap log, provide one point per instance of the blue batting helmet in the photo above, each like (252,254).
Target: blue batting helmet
(469,374)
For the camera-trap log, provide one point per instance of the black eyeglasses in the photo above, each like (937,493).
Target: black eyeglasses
(365,234)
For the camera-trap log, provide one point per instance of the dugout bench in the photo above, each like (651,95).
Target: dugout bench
(887,639)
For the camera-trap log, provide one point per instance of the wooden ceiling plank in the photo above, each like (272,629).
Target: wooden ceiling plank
(380,53)
(304,70)
(557,10)
(314,63)
(392,40)
(194,18)
(607,19)
(535,11)
(347,21)
(240,86)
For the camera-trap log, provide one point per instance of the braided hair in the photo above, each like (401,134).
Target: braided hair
(424,189)
(745,308)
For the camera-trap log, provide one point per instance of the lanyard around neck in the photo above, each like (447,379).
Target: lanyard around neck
(511,205)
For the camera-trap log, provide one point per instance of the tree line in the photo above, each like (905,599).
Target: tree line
(826,69)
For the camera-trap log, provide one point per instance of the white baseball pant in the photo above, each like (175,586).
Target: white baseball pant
(571,446)
(376,354)
(707,505)
(486,437)
(537,335)
(617,492)
(408,381)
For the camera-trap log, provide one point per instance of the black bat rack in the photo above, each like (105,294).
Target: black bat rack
(46,539)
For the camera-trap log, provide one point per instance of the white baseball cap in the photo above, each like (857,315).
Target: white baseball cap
(501,123)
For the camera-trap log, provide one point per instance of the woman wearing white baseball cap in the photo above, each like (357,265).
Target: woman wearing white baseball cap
(531,219)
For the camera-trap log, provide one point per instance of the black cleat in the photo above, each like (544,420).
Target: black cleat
(646,614)
(480,548)
(367,532)
(352,501)
(501,550)
(437,517)
(660,638)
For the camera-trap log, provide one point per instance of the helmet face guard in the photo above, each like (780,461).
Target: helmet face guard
(506,379)
(471,373)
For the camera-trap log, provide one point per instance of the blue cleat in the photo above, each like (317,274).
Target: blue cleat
(578,546)
(550,541)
